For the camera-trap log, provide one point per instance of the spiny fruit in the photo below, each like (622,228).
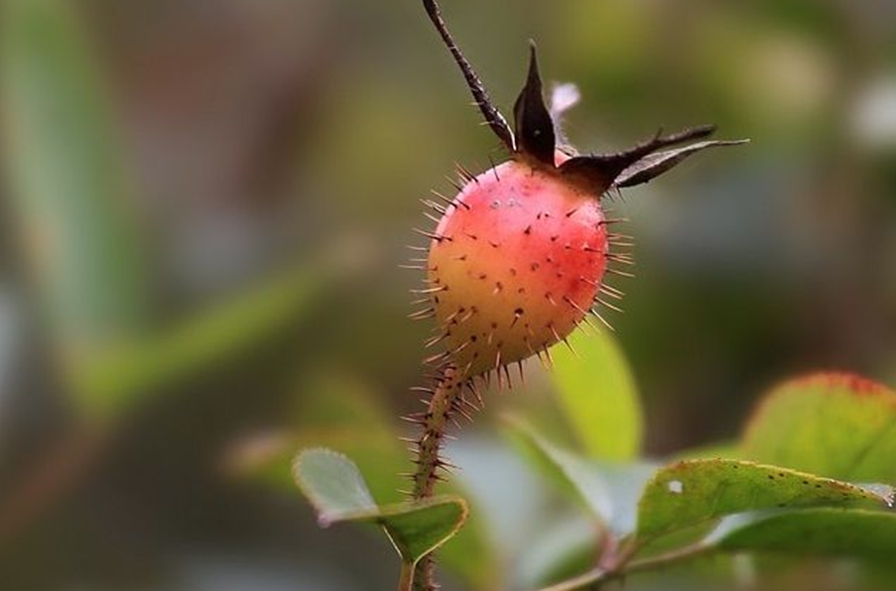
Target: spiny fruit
(515,265)
(517,259)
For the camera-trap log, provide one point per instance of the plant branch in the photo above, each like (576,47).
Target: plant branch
(594,578)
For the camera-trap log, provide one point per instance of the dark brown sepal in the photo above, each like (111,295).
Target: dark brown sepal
(534,127)
(653,165)
(592,171)
(640,163)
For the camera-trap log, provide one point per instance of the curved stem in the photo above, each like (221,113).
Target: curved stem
(593,579)
(446,399)
(492,115)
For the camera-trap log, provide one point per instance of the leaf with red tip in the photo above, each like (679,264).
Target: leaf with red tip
(837,424)
(534,126)
(653,165)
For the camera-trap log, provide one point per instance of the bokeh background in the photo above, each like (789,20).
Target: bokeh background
(204,206)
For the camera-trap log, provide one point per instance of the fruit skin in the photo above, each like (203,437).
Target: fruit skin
(515,264)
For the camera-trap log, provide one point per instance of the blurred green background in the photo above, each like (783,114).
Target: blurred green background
(204,205)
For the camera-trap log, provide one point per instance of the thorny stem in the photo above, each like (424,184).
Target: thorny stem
(595,578)
(492,115)
(424,574)
(446,398)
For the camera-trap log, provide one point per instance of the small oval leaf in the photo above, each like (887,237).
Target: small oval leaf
(334,486)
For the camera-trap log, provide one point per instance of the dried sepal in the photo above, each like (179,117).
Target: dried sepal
(600,171)
(653,165)
(534,126)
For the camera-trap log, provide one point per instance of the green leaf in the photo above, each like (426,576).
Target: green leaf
(598,394)
(692,492)
(851,532)
(839,425)
(338,493)
(71,199)
(418,528)
(608,490)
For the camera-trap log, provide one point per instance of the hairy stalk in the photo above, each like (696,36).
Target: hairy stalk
(425,574)
(446,399)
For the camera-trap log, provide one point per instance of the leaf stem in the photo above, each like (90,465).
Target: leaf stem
(406,580)
(670,558)
(594,578)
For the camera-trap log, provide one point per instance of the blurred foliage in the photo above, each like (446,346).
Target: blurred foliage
(210,201)
(598,393)
(71,198)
